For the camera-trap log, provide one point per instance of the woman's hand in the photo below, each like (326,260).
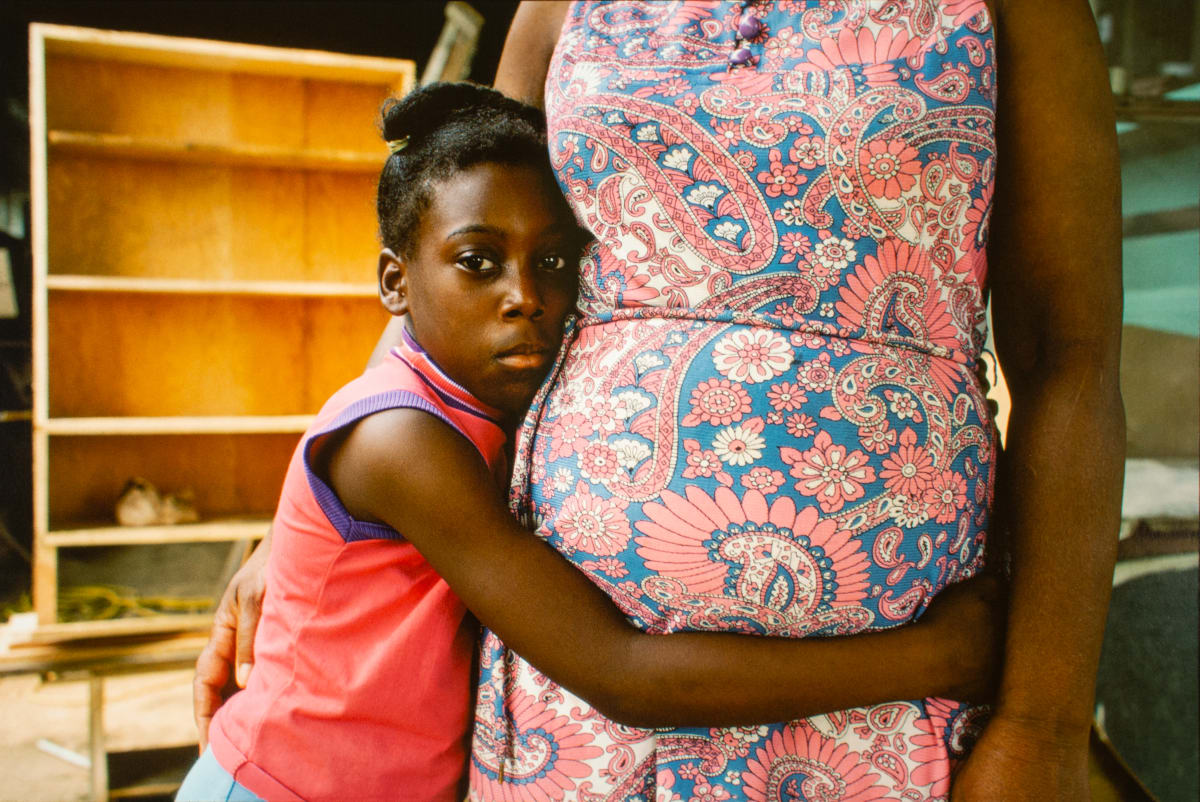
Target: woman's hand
(1018,759)
(231,642)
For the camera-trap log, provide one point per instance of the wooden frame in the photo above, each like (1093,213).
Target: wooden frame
(204,241)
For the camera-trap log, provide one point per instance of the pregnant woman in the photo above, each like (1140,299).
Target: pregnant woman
(768,420)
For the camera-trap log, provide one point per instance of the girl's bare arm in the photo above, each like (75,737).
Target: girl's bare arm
(413,472)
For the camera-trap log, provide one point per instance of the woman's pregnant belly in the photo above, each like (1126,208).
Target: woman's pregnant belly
(713,475)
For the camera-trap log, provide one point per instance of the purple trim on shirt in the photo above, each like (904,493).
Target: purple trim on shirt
(457,403)
(350,528)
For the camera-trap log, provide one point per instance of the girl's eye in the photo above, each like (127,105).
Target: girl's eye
(476,263)
(552,263)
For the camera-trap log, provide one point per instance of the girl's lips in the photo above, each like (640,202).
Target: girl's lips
(525,357)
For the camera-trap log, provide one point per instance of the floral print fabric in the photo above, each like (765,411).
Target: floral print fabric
(767,420)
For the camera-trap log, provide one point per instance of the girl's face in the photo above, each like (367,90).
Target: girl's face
(493,274)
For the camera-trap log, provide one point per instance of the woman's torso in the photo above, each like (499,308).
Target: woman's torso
(768,420)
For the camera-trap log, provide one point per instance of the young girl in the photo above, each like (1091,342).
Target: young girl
(391,518)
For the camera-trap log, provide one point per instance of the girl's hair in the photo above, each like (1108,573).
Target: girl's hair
(442,129)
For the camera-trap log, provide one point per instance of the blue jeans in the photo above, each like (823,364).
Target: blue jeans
(208,782)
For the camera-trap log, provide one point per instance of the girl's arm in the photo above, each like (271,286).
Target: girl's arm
(413,472)
(1056,278)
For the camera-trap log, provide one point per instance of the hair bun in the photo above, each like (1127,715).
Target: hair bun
(429,108)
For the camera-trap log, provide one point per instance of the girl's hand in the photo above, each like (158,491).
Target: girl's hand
(971,615)
(1018,760)
(231,644)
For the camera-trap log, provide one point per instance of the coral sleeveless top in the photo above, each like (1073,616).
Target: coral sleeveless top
(361,682)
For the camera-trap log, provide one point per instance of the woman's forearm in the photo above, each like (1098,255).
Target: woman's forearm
(1060,498)
(1055,262)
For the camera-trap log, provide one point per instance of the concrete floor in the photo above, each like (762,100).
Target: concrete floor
(150,710)
(1147,682)
(143,711)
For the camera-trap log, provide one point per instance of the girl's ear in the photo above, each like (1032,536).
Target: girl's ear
(393,282)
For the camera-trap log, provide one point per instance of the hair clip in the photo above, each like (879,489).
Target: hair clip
(397,145)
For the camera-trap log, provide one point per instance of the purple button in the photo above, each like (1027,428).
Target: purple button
(749,26)
(740,56)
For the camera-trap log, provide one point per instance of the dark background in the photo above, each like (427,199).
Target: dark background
(406,29)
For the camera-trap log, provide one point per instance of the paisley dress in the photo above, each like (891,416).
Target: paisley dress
(767,419)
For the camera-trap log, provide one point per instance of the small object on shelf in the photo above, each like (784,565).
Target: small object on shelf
(141,504)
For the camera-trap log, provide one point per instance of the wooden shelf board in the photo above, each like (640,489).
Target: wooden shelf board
(130,284)
(87,143)
(143,48)
(232,424)
(15,414)
(139,652)
(116,627)
(202,532)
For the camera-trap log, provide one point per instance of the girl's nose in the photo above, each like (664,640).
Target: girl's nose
(522,297)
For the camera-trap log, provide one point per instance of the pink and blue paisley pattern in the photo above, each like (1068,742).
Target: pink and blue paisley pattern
(767,420)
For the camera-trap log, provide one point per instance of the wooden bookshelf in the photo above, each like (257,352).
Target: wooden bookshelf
(204,248)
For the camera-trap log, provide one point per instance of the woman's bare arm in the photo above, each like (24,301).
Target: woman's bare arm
(230,647)
(414,473)
(1056,291)
(527,50)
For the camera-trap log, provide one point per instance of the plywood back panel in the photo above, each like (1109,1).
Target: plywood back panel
(152,355)
(119,217)
(229,474)
(342,116)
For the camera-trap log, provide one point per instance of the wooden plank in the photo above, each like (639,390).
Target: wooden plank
(213,424)
(15,415)
(198,286)
(45,557)
(97,742)
(123,146)
(141,48)
(109,656)
(227,529)
(120,627)
(39,219)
